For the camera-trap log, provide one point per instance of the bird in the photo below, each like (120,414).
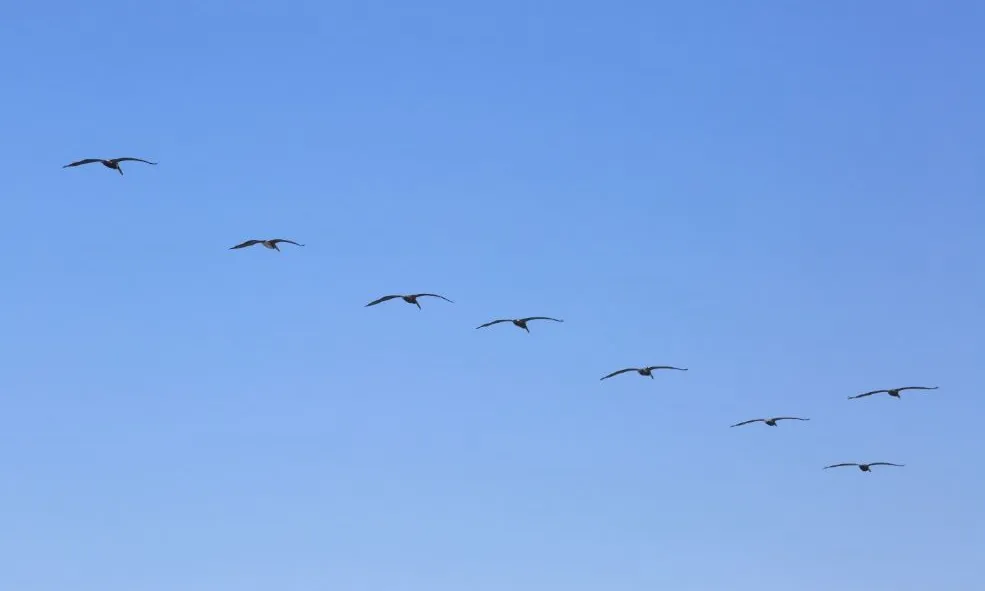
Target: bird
(644,371)
(771,421)
(266,243)
(519,322)
(863,467)
(894,392)
(113,163)
(410,299)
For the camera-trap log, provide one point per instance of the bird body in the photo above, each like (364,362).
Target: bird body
(410,299)
(894,392)
(643,371)
(271,244)
(113,163)
(864,467)
(519,322)
(769,421)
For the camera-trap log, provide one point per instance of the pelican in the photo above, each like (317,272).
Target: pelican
(519,322)
(863,467)
(272,244)
(894,392)
(113,163)
(644,371)
(771,421)
(410,299)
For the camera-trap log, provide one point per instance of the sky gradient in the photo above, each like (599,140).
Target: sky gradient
(787,200)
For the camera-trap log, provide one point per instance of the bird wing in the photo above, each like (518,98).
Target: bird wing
(867,394)
(839,465)
(541,318)
(886,464)
(653,367)
(277,240)
(118,160)
(247,243)
(918,388)
(494,322)
(433,295)
(383,299)
(615,373)
(789,419)
(86,161)
(747,422)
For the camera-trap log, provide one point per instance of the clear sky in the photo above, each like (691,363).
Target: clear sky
(785,198)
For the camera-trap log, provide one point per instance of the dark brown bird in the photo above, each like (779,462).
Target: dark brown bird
(113,163)
(863,467)
(519,322)
(643,371)
(894,392)
(266,243)
(771,422)
(410,299)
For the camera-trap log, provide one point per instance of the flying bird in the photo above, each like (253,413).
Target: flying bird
(771,421)
(266,243)
(410,299)
(644,371)
(894,392)
(863,467)
(519,322)
(113,163)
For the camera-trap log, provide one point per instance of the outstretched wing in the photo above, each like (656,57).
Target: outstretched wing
(839,465)
(789,419)
(653,367)
(245,244)
(278,240)
(886,464)
(118,160)
(747,422)
(494,322)
(86,161)
(383,299)
(433,295)
(864,394)
(541,318)
(615,373)
(918,388)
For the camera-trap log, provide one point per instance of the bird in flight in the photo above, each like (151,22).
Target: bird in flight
(771,421)
(644,371)
(410,299)
(266,243)
(113,163)
(894,392)
(863,467)
(519,322)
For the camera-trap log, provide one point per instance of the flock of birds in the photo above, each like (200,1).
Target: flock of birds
(114,164)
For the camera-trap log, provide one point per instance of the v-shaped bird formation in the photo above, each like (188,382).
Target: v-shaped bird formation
(522,323)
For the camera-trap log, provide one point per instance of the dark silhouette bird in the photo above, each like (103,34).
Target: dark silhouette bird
(643,371)
(771,421)
(519,322)
(266,243)
(113,163)
(863,467)
(894,392)
(410,299)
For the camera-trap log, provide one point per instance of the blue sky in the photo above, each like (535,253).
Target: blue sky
(785,199)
